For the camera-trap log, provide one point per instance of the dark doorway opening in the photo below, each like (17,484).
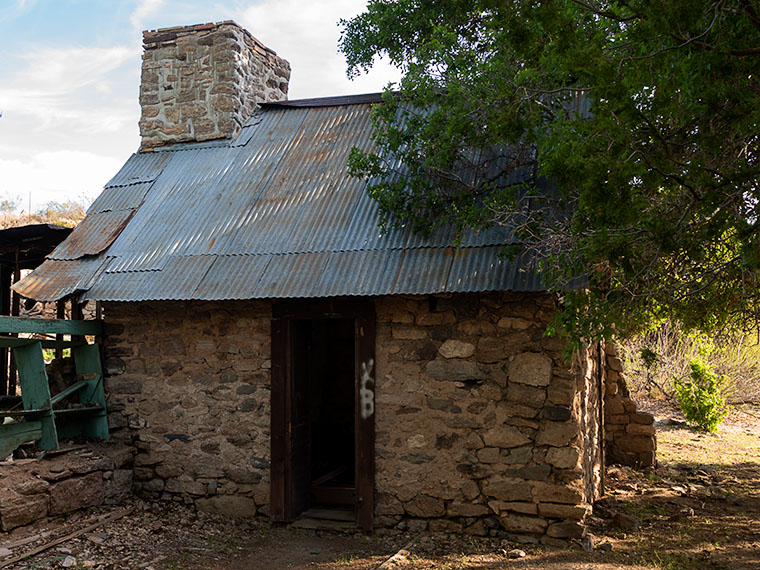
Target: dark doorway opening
(323,403)
(323,423)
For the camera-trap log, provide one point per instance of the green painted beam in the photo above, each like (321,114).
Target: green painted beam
(51,326)
(68,391)
(14,413)
(13,434)
(12,341)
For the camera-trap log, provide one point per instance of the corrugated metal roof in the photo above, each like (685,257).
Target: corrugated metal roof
(56,279)
(271,214)
(93,234)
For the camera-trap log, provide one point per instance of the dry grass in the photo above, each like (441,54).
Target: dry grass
(737,356)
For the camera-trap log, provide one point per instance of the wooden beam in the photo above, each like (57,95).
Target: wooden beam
(60,313)
(68,391)
(98,522)
(13,434)
(11,342)
(50,326)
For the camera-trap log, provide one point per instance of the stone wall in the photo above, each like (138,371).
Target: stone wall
(481,425)
(188,385)
(31,489)
(204,82)
(480,419)
(629,434)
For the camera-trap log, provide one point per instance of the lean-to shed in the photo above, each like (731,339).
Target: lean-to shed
(268,351)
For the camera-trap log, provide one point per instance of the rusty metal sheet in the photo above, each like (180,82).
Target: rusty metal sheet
(56,279)
(270,214)
(120,198)
(232,277)
(93,234)
(178,280)
(141,167)
(423,271)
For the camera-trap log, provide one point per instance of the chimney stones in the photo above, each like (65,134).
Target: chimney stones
(203,82)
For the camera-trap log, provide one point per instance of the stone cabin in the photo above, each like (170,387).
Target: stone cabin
(268,352)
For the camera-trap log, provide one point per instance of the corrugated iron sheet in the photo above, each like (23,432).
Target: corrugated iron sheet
(93,234)
(178,280)
(141,167)
(55,279)
(120,198)
(271,214)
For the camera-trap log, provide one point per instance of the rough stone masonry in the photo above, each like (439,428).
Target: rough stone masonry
(203,82)
(482,426)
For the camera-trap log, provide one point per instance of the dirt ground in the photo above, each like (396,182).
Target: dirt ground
(700,509)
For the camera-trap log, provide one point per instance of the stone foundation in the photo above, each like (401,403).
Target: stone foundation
(32,489)
(629,434)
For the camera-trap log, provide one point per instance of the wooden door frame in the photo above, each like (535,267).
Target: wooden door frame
(281,476)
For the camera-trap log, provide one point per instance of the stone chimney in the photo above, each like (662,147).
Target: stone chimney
(203,82)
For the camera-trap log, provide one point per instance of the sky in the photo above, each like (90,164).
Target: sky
(70,76)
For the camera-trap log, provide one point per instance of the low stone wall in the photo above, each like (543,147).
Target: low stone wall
(32,489)
(629,434)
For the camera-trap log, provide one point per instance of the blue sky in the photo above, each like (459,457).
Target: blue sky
(70,74)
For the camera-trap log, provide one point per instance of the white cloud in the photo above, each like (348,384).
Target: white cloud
(50,176)
(70,87)
(144,10)
(65,69)
(310,42)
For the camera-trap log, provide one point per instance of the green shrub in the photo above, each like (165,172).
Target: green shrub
(700,396)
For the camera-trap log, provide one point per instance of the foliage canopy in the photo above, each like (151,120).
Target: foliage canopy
(645,115)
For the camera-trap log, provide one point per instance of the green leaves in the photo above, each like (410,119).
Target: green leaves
(646,115)
(700,396)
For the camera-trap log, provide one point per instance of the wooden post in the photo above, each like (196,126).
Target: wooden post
(15,306)
(76,315)
(5,309)
(60,313)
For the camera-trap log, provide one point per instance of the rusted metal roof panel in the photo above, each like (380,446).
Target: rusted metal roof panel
(141,167)
(423,271)
(270,214)
(56,279)
(178,280)
(371,272)
(232,277)
(291,275)
(93,234)
(114,198)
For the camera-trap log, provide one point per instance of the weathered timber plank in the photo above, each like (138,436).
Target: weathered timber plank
(13,434)
(12,342)
(68,391)
(53,326)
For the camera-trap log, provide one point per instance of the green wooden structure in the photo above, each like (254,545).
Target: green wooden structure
(39,420)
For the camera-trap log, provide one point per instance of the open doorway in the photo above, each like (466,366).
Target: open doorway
(323,402)
(323,411)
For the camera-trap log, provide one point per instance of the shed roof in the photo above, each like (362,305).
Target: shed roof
(271,214)
(27,246)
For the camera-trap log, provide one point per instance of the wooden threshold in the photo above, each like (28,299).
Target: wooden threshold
(326,519)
